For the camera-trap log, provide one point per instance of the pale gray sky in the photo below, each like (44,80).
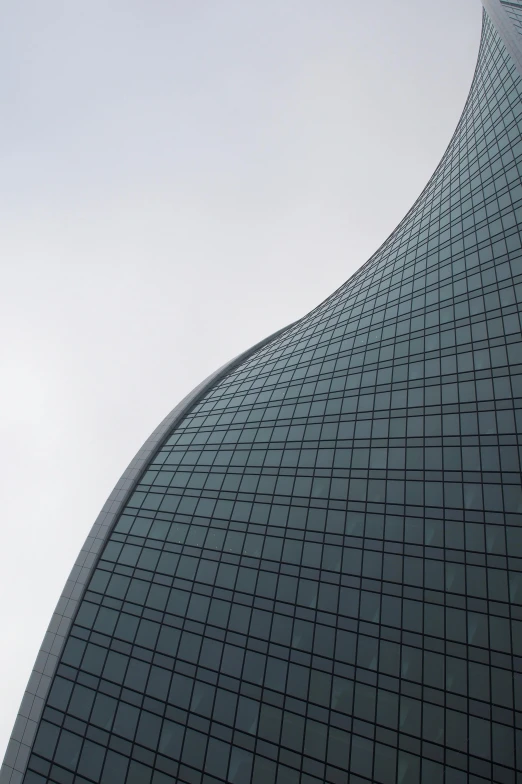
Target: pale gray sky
(180,179)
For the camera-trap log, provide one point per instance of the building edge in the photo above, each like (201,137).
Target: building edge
(504,26)
(20,743)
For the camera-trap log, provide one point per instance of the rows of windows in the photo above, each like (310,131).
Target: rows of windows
(513,9)
(465,570)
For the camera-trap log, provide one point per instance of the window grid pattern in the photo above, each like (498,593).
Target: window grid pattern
(513,8)
(319,576)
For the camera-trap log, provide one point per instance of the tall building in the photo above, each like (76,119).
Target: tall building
(312,571)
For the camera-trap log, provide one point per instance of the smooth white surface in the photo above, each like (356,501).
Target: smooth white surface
(180,180)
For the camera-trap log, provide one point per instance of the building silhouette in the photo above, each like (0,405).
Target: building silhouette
(312,571)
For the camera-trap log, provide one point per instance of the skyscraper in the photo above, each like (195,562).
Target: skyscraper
(312,571)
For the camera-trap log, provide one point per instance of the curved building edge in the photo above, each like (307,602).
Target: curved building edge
(504,26)
(29,714)
(365,266)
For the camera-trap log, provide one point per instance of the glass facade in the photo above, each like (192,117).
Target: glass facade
(513,9)
(318,578)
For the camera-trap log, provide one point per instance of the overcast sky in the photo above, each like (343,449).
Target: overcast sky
(179,179)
